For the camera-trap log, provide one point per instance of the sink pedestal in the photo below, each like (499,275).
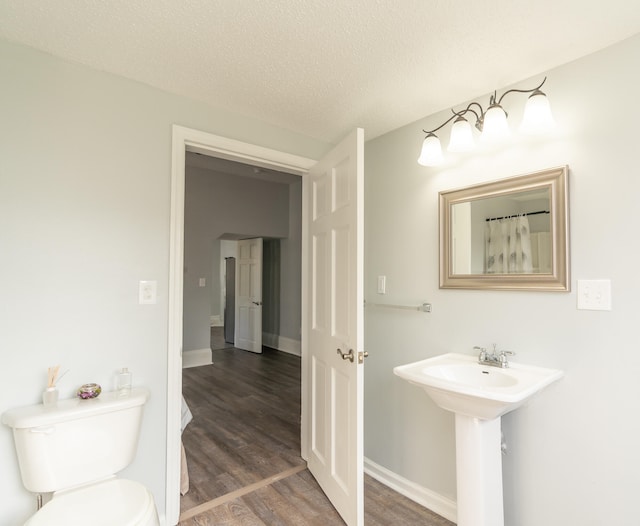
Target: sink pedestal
(479,471)
(479,396)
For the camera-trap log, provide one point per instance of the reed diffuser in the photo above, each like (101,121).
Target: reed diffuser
(50,394)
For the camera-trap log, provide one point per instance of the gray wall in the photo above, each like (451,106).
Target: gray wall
(290,268)
(213,280)
(85,163)
(215,204)
(572,451)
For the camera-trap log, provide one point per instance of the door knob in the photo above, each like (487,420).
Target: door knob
(362,356)
(258,303)
(347,355)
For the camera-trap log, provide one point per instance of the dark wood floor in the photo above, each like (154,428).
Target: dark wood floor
(246,428)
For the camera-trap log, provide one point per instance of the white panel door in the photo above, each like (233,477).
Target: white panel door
(248,327)
(334,389)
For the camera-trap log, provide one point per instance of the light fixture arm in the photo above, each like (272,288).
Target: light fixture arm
(431,132)
(492,102)
(468,109)
(457,114)
(537,88)
(491,123)
(479,118)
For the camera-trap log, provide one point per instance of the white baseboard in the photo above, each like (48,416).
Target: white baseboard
(290,346)
(281,343)
(216,321)
(425,497)
(196,358)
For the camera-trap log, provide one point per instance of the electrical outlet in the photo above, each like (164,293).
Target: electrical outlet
(594,294)
(147,292)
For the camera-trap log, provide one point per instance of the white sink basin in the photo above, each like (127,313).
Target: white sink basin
(457,382)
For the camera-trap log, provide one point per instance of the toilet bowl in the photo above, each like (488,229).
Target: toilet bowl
(74,450)
(116,501)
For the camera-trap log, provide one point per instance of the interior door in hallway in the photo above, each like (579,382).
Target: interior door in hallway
(333,368)
(248,323)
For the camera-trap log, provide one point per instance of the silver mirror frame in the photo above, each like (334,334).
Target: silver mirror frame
(557,181)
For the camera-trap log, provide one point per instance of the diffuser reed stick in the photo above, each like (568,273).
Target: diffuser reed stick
(52,376)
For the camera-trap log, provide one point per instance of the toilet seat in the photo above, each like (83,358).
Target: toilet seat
(115,501)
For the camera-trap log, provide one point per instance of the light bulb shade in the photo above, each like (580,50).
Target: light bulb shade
(431,154)
(461,139)
(495,127)
(537,116)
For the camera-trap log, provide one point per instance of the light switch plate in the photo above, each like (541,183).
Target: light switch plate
(594,294)
(382,284)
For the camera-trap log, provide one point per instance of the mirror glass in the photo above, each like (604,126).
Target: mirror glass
(507,234)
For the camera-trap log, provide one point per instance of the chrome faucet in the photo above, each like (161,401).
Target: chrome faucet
(495,359)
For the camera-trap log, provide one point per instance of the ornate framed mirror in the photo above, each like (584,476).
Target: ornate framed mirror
(510,234)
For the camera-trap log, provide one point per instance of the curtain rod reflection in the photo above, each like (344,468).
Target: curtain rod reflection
(518,215)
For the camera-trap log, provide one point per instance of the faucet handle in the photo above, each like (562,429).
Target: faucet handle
(483,353)
(503,357)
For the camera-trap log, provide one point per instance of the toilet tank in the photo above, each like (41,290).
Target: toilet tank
(76,441)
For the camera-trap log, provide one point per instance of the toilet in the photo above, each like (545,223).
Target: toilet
(73,451)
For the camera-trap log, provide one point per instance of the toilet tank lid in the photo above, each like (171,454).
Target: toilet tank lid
(72,409)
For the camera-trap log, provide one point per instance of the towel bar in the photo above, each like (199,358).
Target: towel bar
(424,307)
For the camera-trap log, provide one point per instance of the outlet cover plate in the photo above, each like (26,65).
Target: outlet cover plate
(147,292)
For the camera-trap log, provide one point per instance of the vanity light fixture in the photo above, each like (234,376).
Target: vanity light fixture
(492,124)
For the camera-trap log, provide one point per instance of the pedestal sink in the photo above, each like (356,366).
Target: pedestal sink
(478,395)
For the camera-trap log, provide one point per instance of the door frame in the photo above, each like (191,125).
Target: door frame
(183,140)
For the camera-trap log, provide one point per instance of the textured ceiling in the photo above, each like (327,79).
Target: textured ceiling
(323,67)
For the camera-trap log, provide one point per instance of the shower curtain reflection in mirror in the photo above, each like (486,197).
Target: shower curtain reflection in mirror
(508,246)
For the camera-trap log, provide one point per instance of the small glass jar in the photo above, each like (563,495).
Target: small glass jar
(123,382)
